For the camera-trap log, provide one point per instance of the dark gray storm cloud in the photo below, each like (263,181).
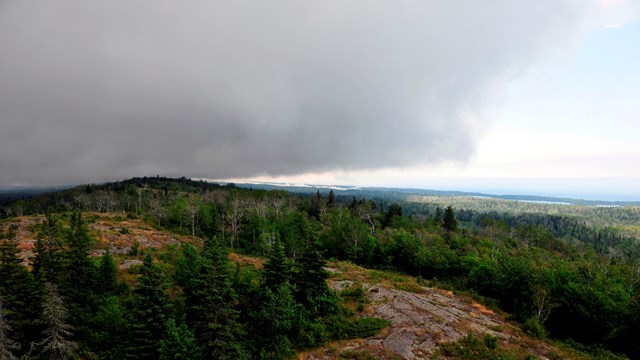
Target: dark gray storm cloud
(102,90)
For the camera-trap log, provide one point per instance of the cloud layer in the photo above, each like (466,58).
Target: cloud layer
(215,89)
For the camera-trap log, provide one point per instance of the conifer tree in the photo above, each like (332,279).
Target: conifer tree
(275,321)
(188,265)
(331,200)
(438,216)
(450,223)
(56,343)
(277,310)
(311,282)
(79,276)
(7,345)
(150,313)
(210,305)
(179,343)
(109,331)
(317,205)
(80,271)
(107,275)
(277,269)
(19,293)
(393,211)
(48,262)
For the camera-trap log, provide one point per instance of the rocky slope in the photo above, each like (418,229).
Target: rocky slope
(422,319)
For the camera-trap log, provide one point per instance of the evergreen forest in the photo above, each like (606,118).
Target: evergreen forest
(562,277)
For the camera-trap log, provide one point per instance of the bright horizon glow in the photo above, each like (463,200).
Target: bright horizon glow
(570,127)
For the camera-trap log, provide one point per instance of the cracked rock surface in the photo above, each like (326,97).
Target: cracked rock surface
(420,322)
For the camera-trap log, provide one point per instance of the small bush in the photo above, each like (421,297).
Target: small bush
(491,342)
(409,287)
(311,335)
(534,328)
(355,355)
(135,248)
(354,291)
(366,327)
(470,347)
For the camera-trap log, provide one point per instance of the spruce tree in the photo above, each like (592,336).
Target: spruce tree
(79,276)
(107,275)
(210,306)
(450,223)
(277,269)
(80,271)
(393,211)
(188,265)
(49,251)
(109,331)
(179,343)
(438,216)
(331,200)
(150,312)
(277,312)
(275,321)
(311,282)
(19,293)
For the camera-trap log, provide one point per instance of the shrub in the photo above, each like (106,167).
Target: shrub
(491,342)
(534,328)
(470,347)
(355,329)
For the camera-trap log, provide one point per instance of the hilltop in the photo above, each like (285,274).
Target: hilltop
(580,289)
(424,322)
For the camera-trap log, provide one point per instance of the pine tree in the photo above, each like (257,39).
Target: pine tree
(56,344)
(210,305)
(354,204)
(275,322)
(48,262)
(277,269)
(438,216)
(19,293)
(79,276)
(450,223)
(316,207)
(7,345)
(331,200)
(188,265)
(393,211)
(179,343)
(107,275)
(150,313)
(109,331)
(311,282)
(80,271)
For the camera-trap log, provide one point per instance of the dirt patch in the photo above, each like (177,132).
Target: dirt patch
(482,309)
(246,260)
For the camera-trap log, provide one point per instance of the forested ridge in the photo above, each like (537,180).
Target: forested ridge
(191,302)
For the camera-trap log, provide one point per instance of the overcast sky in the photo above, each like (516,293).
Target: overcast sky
(502,96)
